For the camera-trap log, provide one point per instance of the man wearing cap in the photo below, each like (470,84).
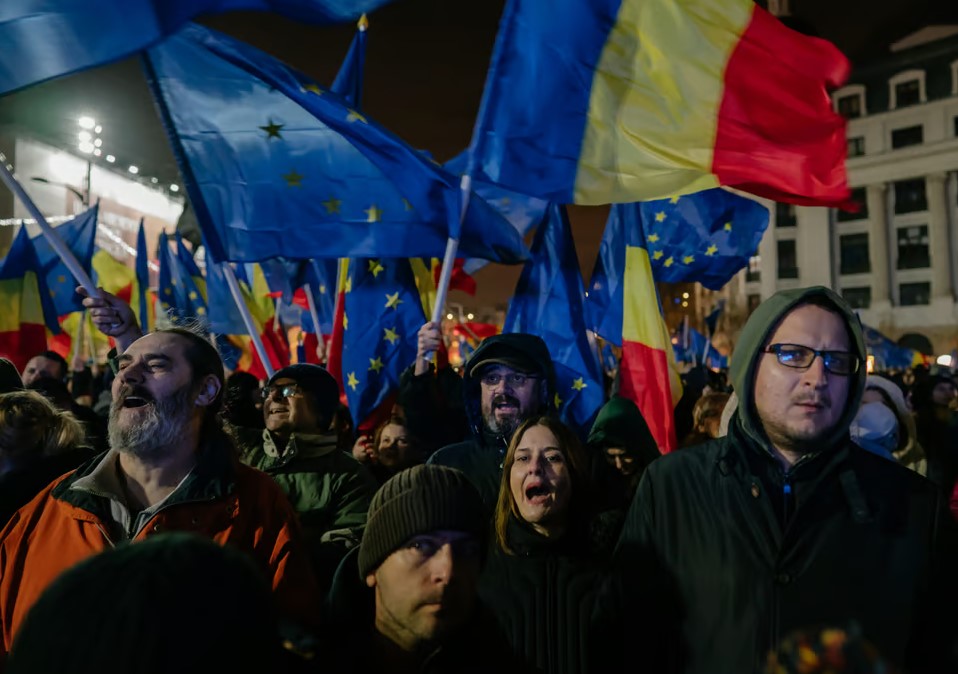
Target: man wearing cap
(413,605)
(329,489)
(785,523)
(508,379)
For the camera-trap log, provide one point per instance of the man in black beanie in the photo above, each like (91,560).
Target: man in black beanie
(329,489)
(421,555)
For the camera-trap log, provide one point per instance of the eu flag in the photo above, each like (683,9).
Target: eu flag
(548,303)
(180,297)
(278,167)
(888,355)
(43,40)
(382,317)
(55,279)
(143,280)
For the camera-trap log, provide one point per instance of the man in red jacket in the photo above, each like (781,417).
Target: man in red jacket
(170,468)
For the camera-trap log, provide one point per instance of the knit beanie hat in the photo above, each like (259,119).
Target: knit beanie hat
(416,501)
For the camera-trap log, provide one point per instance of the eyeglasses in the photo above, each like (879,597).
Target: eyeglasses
(285,391)
(801,357)
(515,379)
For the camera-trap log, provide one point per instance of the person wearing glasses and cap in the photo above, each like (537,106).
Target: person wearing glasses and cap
(785,523)
(329,489)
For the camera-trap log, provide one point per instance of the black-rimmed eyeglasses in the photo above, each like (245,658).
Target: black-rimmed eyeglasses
(801,358)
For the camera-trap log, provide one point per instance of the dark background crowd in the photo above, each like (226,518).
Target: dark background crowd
(473,530)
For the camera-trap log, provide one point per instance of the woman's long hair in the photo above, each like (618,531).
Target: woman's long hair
(576,460)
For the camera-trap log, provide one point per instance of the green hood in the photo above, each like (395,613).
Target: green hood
(755,334)
(621,424)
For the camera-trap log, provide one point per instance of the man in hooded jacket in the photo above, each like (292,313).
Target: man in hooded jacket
(508,379)
(784,523)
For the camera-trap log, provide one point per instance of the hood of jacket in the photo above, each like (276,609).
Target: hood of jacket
(517,346)
(621,424)
(754,337)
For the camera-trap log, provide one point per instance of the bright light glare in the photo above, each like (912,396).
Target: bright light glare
(154,180)
(110,158)
(685,296)
(98,142)
(86,122)
(174,188)
(97,152)
(944,360)
(86,147)
(134,169)
(470,316)
(448,317)
(97,129)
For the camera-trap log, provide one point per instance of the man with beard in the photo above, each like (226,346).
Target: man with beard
(784,523)
(170,468)
(508,379)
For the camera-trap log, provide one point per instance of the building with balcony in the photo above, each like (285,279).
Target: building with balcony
(896,258)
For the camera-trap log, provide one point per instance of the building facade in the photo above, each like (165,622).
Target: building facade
(896,259)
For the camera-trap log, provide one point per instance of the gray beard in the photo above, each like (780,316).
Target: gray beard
(505,428)
(161,426)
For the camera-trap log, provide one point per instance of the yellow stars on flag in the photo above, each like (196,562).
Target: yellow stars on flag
(348,285)
(272,130)
(391,335)
(653,238)
(660,216)
(669,261)
(351,381)
(675,199)
(711,250)
(200,311)
(354,116)
(193,296)
(578,384)
(688,259)
(728,226)
(406,204)
(61,279)
(375,364)
(322,288)
(311,89)
(393,301)
(293,179)
(167,291)
(332,205)
(557,400)
(375,268)
(373,214)
(345,321)
(657,255)
(53,293)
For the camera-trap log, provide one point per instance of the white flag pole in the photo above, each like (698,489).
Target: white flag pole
(247,317)
(58,245)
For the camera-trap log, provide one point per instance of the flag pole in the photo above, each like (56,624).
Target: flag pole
(247,317)
(55,241)
(314,315)
(452,246)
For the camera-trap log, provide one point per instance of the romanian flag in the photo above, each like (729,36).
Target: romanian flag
(22,305)
(632,317)
(638,100)
(334,355)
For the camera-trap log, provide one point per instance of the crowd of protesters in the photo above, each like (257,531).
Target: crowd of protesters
(802,526)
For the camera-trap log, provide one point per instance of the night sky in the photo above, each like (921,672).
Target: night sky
(426,63)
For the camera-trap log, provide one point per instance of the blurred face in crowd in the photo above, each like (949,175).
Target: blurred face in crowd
(427,588)
(508,398)
(540,480)
(153,396)
(799,405)
(396,448)
(39,366)
(287,408)
(943,395)
(621,460)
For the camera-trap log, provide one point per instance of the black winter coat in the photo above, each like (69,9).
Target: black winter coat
(544,596)
(733,555)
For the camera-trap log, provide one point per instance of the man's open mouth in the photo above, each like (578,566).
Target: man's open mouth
(135,401)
